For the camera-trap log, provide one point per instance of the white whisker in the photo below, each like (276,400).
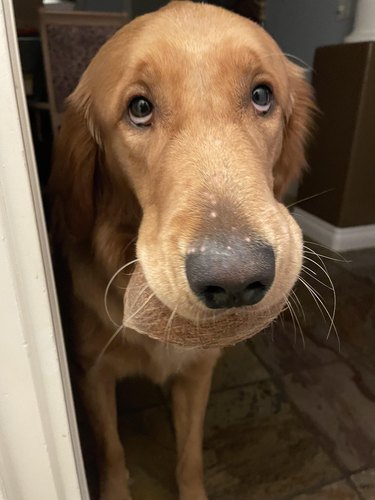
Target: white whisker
(298,303)
(332,325)
(327,248)
(308,198)
(122,268)
(292,311)
(334,299)
(168,326)
(140,308)
(309,288)
(293,320)
(282,318)
(310,251)
(311,273)
(111,339)
(322,268)
(310,270)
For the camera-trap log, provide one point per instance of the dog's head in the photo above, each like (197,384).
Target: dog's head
(193,115)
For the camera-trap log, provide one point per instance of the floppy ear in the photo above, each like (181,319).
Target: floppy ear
(71,184)
(296,132)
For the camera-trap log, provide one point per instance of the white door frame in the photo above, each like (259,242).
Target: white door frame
(40,457)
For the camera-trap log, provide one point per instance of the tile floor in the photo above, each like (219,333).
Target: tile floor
(291,416)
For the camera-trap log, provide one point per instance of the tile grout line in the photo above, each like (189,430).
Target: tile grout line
(354,486)
(309,426)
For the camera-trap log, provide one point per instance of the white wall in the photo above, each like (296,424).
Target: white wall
(300,26)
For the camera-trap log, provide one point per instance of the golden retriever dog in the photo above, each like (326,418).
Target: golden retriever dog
(175,150)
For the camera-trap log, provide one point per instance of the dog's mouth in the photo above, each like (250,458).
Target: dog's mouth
(146,314)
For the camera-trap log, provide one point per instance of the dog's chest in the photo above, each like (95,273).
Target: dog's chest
(159,361)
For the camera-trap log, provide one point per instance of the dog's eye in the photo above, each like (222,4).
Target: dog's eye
(140,111)
(262,98)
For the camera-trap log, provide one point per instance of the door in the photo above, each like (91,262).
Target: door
(40,457)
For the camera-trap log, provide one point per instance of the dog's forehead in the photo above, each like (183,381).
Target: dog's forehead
(178,43)
(198,29)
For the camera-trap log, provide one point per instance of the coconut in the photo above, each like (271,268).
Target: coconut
(147,315)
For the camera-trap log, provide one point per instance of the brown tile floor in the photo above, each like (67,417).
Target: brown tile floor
(288,418)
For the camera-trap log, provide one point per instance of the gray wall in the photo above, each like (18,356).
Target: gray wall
(133,7)
(143,6)
(300,26)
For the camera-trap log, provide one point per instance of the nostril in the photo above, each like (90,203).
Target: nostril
(214,296)
(254,293)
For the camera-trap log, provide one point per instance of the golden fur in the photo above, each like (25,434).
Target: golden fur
(119,192)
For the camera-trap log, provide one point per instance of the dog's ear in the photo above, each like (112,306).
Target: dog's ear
(298,121)
(71,184)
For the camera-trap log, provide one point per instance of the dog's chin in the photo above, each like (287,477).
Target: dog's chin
(147,315)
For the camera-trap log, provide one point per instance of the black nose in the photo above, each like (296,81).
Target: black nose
(233,275)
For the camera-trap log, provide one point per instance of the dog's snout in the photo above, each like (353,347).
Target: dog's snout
(230,275)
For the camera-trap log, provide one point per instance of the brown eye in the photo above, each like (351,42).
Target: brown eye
(262,98)
(140,111)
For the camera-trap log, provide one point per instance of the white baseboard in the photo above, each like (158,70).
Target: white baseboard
(336,238)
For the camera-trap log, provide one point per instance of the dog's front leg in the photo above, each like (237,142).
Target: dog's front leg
(98,390)
(190,391)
